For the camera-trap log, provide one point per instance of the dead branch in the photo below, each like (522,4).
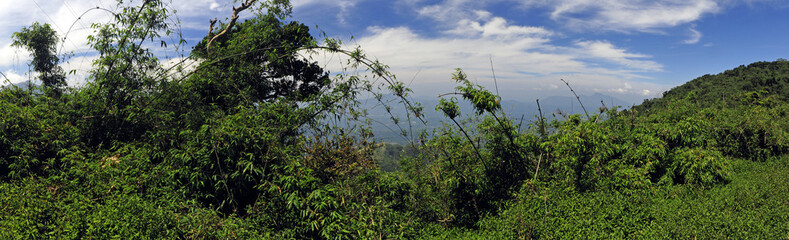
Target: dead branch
(211,28)
(577,97)
(233,19)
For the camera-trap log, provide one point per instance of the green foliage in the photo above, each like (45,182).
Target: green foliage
(727,87)
(228,158)
(388,156)
(35,133)
(753,204)
(449,108)
(483,100)
(698,166)
(42,41)
(257,61)
(259,142)
(126,69)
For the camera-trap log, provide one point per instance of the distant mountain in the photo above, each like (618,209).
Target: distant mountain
(385,130)
(23,85)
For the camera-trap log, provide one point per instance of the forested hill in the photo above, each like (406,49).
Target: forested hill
(759,82)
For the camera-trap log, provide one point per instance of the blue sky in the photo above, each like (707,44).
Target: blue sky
(630,49)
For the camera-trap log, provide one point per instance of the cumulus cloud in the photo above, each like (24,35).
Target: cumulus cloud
(70,19)
(79,69)
(11,55)
(12,76)
(526,66)
(496,27)
(526,58)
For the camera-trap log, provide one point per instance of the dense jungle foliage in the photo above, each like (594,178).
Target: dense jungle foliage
(259,142)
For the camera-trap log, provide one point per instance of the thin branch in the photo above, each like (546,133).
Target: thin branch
(577,97)
(476,149)
(521,122)
(62,44)
(125,38)
(6,78)
(494,76)
(452,93)
(542,120)
(508,128)
(233,19)
(211,28)
(536,171)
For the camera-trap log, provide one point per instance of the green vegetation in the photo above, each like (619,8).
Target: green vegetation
(259,142)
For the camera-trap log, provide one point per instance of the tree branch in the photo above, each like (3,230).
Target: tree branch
(211,28)
(233,19)
(577,97)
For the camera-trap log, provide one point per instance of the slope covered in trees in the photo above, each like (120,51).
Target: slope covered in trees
(259,142)
(708,160)
(760,82)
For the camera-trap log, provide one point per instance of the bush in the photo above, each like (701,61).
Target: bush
(698,166)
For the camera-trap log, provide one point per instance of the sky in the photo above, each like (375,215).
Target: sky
(628,49)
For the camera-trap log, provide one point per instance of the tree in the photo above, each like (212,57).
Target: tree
(42,41)
(258,61)
(126,68)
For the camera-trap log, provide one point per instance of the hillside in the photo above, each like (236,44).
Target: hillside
(718,165)
(761,82)
(744,109)
(728,130)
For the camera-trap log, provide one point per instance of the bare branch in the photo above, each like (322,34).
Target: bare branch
(211,28)
(233,19)
(494,77)
(577,97)
(542,122)
(452,93)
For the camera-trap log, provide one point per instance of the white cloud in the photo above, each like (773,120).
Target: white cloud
(450,10)
(72,19)
(204,8)
(343,7)
(214,6)
(301,3)
(525,57)
(695,37)
(496,27)
(12,55)
(606,51)
(78,69)
(626,15)
(178,67)
(526,67)
(12,76)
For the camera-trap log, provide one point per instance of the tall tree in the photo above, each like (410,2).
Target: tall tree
(42,41)
(258,61)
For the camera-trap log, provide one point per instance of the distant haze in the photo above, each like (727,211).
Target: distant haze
(385,130)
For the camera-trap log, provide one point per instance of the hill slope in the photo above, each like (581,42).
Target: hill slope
(716,149)
(742,85)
